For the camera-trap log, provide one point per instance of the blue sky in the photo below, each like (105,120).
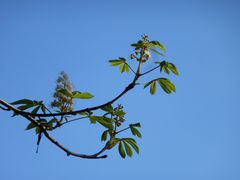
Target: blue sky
(191,134)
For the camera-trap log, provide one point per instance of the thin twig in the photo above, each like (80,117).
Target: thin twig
(150,70)
(72,120)
(123,130)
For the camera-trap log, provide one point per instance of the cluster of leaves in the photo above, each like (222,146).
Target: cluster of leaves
(142,54)
(112,119)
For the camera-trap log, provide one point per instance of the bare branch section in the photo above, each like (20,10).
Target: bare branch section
(46,134)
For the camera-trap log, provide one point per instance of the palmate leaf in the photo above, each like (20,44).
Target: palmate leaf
(173,68)
(132,143)
(124,68)
(166,85)
(135,131)
(104,121)
(121,62)
(167,67)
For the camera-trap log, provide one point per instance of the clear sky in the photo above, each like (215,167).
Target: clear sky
(192,134)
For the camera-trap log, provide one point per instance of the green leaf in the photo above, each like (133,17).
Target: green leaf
(35,110)
(80,95)
(153,87)
(93,119)
(120,113)
(156,44)
(121,150)
(22,101)
(127,149)
(173,68)
(166,85)
(104,121)
(85,113)
(37,130)
(117,62)
(132,143)
(135,131)
(167,67)
(139,44)
(124,68)
(30,126)
(104,135)
(24,107)
(136,125)
(108,108)
(121,62)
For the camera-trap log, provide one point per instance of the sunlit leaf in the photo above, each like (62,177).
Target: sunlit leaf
(104,121)
(166,85)
(153,87)
(173,68)
(81,95)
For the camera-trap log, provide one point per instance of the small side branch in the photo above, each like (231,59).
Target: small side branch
(149,70)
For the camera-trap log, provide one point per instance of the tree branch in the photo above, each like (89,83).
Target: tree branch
(44,131)
(128,88)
